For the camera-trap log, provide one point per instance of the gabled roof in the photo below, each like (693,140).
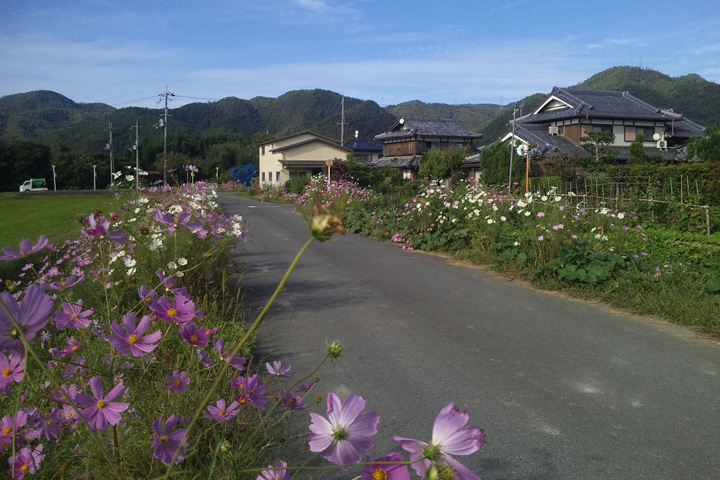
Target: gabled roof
(414,127)
(404,162)
(575,102)
(318,138)
(298,134)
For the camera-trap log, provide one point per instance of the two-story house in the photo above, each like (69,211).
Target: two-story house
(406,141)
(556,127)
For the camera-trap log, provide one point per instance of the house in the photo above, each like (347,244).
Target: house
(406,141)
(295,155)
(556,127)
(306,154)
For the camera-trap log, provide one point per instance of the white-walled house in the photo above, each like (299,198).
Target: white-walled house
(295,155)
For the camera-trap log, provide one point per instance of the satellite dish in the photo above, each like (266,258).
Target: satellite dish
(402,120)
(656,137)
(521,149)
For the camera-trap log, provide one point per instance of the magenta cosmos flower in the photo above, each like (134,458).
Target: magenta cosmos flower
(69,282)
(11,368)
(102,411)
(26,461)
(386,471)
(250,391)
(279,370)
(180,220)
(195,335)
(31,315)
(167,442)
(278,472)
(129,341)
(177,382)
(180,310)
(221,413)
(72,315)
(26,248)
(344,436)
(449,437)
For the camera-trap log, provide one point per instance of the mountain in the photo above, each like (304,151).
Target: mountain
(51,119)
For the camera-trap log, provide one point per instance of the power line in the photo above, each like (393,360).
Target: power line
(133,101)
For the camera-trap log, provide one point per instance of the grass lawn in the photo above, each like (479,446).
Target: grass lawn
(26,215)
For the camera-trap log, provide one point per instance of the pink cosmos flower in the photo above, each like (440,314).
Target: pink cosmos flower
(344,436)
(384,470)
(167,442)
(26,461)
(177,382)
(72,315)
(279,370)
(278,472)
(450,436)
(194,335)
(26,248)
(11,368)
(180,220)
(236,361)
(69,282)
(181,309)
(130,341)
(31,315)
(102,411)
(220,413)
(250,391)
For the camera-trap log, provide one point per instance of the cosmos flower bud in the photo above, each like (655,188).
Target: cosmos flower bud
(334,349)
(324,225)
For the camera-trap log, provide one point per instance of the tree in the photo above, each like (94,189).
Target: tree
(707,147)
(596,142)
(439,164)
(637,150)
(495,164)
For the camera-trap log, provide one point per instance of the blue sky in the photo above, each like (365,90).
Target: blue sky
(124,53)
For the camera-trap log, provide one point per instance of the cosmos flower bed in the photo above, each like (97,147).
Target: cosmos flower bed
(124,354)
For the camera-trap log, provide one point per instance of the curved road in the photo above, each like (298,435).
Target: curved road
(563,389)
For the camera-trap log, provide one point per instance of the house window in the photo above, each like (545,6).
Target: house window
(631,133)
(262,150)
(277,177)
(602,128)
(263,176)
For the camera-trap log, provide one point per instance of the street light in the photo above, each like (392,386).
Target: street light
(54,184)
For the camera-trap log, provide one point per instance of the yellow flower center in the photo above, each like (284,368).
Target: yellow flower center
(100,404)
(6,372)
(222,413)
(132,338)
(379,474)
(48,423)
(163,439)
(73,348)
(74,316)
(62,283)
(172,312)
(6,430)
(193,338)
(68,414)
(23,468)
(177,382)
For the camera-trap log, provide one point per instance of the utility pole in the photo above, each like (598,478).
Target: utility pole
(137,158)
(112,161)
(164,124)
(342,121)
(512,146)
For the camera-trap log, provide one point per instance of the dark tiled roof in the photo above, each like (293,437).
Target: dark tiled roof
(411,161)
(597,104)
(411,127)
(360,145)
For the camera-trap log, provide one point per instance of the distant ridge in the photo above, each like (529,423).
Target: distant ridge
(47,117)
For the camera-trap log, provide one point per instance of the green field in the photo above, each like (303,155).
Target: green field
(28,215)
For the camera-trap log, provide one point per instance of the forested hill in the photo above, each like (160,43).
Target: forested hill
(52,119)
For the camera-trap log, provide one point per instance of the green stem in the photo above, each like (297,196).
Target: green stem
(239,346)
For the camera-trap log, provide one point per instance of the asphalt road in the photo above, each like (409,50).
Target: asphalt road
(563,389)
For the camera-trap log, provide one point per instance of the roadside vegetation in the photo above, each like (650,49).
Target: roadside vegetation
(653,258)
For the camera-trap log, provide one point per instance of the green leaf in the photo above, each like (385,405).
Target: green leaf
(712,285)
